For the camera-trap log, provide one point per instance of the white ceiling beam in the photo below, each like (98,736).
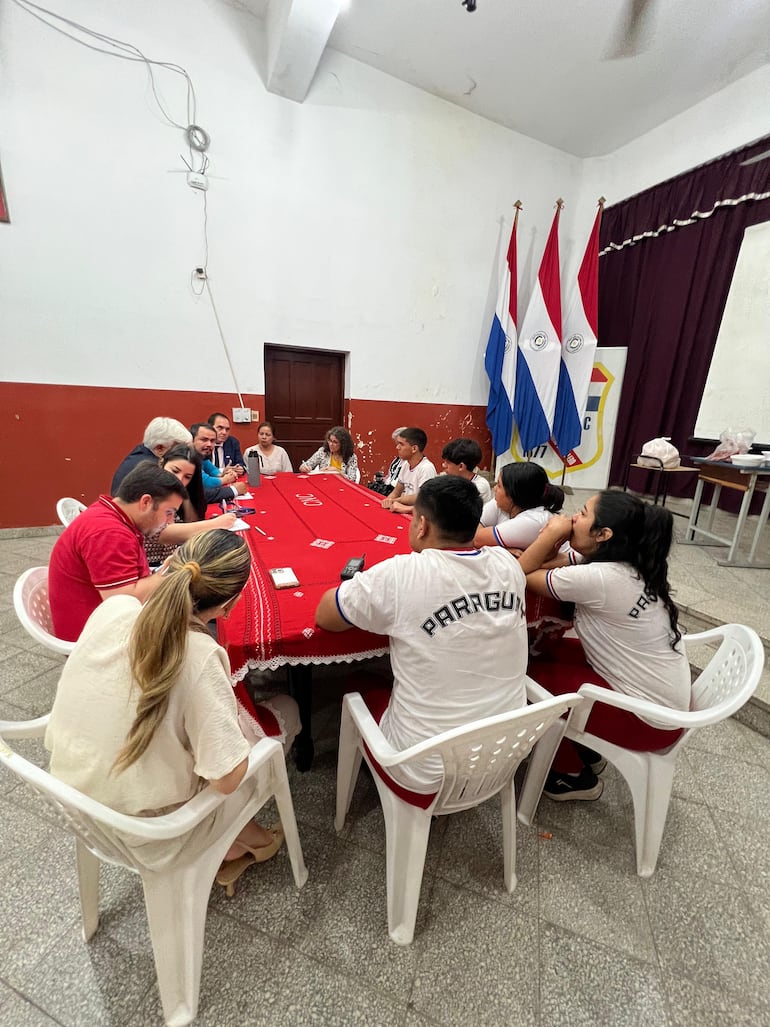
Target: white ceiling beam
(297,34)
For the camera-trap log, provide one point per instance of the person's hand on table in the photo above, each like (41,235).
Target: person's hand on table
(304,468)
(239,471)
(387,503)
(401,508)
(240,487)
(228,476)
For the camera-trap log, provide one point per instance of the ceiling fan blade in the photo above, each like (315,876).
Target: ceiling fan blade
(755,159)
(633,31)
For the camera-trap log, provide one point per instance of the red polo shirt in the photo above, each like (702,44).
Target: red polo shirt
(100,550)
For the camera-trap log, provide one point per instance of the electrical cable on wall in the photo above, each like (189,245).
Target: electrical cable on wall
(207,285)
(127,52)
(197,138)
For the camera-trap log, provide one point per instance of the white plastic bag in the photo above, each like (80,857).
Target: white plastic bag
(659,453)
(731,442)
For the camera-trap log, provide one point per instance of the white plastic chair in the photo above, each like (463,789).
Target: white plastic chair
(30,600)
(479,760)
(67,509)
(722,687)
(175,899)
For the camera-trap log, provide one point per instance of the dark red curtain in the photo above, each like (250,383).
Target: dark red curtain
(663,297)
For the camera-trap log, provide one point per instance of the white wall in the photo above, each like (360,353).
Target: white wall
(367,219)
(725,121)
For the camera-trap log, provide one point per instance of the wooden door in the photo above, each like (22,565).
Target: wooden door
(304,397)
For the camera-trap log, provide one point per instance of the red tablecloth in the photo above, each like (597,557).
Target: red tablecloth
(313,523)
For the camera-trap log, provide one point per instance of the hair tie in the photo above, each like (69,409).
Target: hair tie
(194,569)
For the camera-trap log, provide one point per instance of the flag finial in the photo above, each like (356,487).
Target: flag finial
(559,203)
(518,205)
(602,201)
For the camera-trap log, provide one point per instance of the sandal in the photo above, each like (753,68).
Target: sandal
(232,869)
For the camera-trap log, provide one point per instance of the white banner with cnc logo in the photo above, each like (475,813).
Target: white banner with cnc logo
(588,466)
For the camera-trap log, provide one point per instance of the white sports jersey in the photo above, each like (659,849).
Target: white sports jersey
(458,642)
(626,635)
(521,531)
(413,477)
(492,515)
(485,490)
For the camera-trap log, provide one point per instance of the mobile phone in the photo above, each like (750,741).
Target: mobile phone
(244,511)
(353,566)
(283,577)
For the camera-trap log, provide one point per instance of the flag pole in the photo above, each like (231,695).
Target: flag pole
(518,206)
(560,207)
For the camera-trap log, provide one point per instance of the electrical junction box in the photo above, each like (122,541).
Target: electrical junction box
(242,415)
(196,181)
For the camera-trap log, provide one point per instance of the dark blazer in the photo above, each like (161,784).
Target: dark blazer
(218,493)
(232,450)
(137,456)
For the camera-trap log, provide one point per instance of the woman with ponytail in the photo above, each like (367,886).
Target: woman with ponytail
(145,713)
(626,622)
(523,503)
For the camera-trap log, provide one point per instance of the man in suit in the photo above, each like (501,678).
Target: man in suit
(227,449)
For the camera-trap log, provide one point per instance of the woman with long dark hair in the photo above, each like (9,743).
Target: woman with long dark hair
(145,713)
(524,501)
(626,622)
(185,464)
(336,455)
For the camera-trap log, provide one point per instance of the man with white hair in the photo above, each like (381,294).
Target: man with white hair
(160,435)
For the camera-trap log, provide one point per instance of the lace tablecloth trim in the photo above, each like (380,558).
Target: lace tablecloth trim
(296,661)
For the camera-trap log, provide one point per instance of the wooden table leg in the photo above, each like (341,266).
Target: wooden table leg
(301,690)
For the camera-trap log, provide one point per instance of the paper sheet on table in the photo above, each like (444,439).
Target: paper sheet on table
(246,495)
(240,525)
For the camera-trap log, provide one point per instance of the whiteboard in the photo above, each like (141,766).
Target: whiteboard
(737,392)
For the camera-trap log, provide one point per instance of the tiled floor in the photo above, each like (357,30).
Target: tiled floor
(582,940)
